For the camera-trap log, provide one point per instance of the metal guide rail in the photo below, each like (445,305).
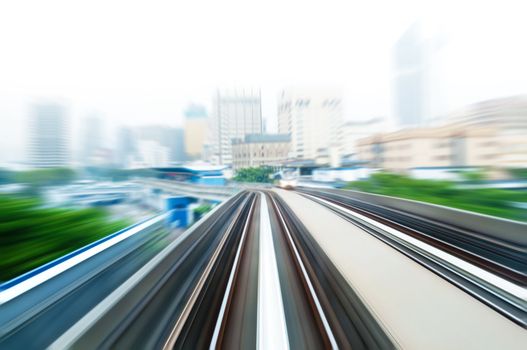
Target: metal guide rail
(460,233)
(502,294)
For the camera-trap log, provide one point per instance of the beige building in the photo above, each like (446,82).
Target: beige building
(260,149)
(488,134)
(196,124)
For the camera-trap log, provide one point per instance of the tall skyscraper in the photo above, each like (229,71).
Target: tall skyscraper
(171,138)
(410,78)
(152,154)
(92,139)
(235,114)
(176,145)
(126,148)
(417,88)
(196,123)
(312,118)
(48,136)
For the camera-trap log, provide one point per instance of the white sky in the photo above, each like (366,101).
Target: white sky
(140,62)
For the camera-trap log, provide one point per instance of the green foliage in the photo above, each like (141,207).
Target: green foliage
(116,174)
(31,235)
(202,209)
(36,179)
(519,173)
(487,201)
(45,177)
(473,176)
(260,174)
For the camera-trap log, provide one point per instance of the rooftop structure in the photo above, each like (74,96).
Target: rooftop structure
(197,174)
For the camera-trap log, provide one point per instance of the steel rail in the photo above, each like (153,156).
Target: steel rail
(110,319)
(271,326)
(311,291)
(353,323)
(220,324)
(494,255)
(176,330)
(503,296)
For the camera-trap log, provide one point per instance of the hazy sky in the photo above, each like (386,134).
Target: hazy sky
(138,62)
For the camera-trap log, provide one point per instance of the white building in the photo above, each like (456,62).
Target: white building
(417,81)
(126,151)
(152,154)
(312,118)
(48,137)
(92,140)
(352,131)
(235,114)
(169,137)
(341,174)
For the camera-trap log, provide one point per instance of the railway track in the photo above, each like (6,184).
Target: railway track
(249,276)
(450,253)
(144,310)
(499,256)
(277,290)
(342,319)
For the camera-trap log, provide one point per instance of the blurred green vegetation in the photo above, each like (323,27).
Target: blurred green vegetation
(46,177)
(31,235)
(519,173)
(494,202)
(475,176)
(201,210)
(116,174)
(257,174)
(38,178)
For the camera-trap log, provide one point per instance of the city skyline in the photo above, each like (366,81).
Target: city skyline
(92,147)
(348,49)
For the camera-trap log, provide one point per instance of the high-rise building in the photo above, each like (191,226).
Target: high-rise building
(126,148)
(196,124)
(312,118)
(234,115)
(152,154)
(417,87)
(410,78)
(48,136)
(176,145)
(92,140)
(171,138)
